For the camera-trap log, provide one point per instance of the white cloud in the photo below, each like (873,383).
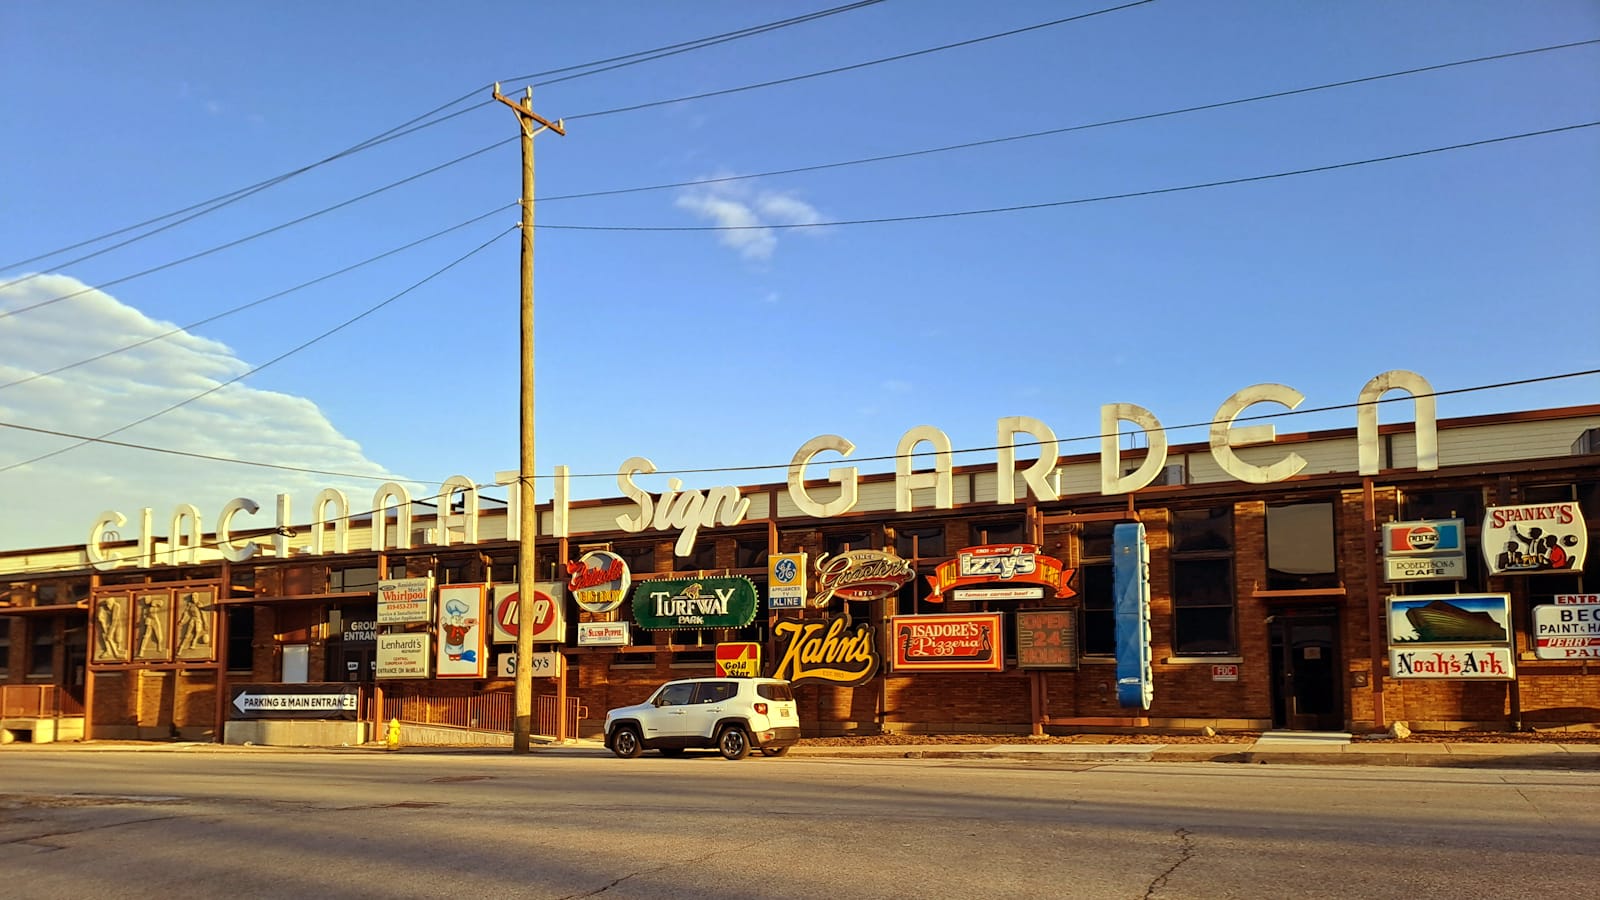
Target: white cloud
(749,211)
(55,501)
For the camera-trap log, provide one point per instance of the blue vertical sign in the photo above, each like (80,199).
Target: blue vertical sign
(1131,588)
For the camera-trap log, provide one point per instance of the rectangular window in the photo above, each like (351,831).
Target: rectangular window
(702,558)
(241,638)
(1099,622)
(5,648)
(641,558)
(42,646)
(848,540)
(1418,505)
(922,542)
(1202,582)
(353,580)
(1300,547)
(751,554)
(1012,532)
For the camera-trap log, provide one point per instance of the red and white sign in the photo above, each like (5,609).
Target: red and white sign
(1225,672)
(948,643)
(461,631)
(602,634)
(1576,599)
(739,659)
(548,622)
(1005,571)
(1534,538)
(1566,631)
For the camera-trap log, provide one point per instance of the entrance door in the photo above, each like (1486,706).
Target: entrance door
(1306,690)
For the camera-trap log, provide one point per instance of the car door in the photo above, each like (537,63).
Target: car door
(669,721)
(712,700)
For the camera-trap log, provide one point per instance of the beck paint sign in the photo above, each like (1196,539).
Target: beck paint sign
(1534,539)
(1566,631)
(948,643)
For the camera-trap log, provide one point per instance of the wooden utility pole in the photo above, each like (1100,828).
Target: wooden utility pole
(531,124)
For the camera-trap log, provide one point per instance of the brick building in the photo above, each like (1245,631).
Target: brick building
(1271,600)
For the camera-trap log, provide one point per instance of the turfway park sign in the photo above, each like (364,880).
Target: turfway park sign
(687,511)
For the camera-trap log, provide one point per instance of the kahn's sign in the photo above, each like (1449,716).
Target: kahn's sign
(948,643)
(1001,572)
(694,603)
(828,652)
(1533,539)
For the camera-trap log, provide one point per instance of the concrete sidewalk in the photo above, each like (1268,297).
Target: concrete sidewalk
(1270,749)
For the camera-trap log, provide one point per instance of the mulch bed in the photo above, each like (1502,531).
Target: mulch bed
(1232,737)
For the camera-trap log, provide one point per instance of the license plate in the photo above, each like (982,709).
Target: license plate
(784,712)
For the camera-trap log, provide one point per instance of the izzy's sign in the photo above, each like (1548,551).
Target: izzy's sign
(1006,571)
(689,511)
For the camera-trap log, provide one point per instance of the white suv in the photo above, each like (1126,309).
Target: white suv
(730,714)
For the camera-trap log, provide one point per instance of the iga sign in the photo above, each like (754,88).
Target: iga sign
(1006,571)
(1425,551)
(599,581)
(948,643)
(1567,631)
(695,603)
(1528,540)
(828,652)
(549,625)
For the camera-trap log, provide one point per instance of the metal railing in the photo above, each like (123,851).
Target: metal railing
(489,711)
(37,701)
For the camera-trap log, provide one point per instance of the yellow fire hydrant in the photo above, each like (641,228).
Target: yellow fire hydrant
(392,741)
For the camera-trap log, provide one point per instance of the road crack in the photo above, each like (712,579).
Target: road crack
(1186,850)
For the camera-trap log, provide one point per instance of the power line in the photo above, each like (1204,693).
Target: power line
(618,62)
(254,303)
(1124,120)
(861,65)
(410,126)
(279,358)
(882,220)
(250,237)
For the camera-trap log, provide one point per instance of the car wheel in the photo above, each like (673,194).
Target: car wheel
(625,743)
(733,743)
(671,751)
(774,751)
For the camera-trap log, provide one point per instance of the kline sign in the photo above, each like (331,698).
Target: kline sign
(689,511)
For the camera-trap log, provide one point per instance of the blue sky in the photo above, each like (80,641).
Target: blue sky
(704,349)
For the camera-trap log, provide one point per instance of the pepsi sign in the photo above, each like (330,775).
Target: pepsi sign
(1425,551)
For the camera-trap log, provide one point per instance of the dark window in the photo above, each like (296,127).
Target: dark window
(352,580)
(922,542)
(1464,504)
(5,648)
(1589,499)
(47,593)
(1548,493)
(701,558)
(1099,622)
(675,694)
(750,554)
(1014,532)
(241,639)
(244,583)
(641,558)
(843,541)
(779,692)
(1202,582)
(42,646)
(715,691)
(1301,547)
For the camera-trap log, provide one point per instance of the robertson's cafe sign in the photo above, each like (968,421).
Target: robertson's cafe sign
(689,511)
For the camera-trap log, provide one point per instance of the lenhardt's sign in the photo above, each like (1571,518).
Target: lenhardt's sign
(689,511)
(694,603)
(948,643)
(403,655)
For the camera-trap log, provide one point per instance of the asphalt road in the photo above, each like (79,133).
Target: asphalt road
(268,823)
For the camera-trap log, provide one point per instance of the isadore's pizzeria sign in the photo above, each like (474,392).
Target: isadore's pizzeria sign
(689,511)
